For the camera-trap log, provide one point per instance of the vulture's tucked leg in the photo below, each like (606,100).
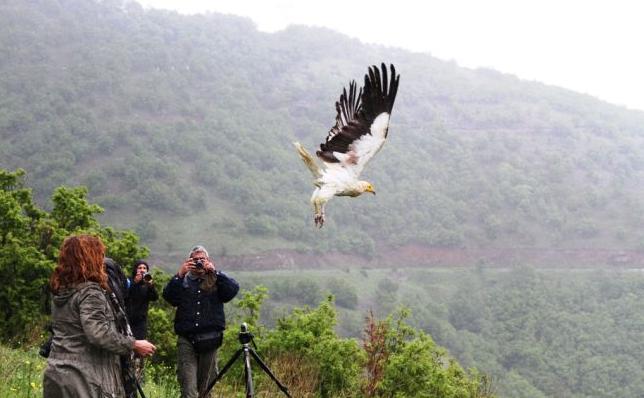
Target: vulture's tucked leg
(321,219)
(318,207)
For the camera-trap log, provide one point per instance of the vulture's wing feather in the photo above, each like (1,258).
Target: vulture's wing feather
(362,121)
(347,111)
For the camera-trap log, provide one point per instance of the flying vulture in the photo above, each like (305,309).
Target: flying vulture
(360,130)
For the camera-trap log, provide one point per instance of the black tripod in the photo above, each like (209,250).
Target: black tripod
(245,338)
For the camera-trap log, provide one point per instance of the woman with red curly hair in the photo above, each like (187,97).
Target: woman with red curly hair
(84,359)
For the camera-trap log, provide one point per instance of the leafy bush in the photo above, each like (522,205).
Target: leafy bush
(309,334)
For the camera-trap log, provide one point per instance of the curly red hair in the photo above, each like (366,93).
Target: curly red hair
(80,260)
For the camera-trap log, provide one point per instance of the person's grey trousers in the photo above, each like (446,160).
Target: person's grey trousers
(195,371)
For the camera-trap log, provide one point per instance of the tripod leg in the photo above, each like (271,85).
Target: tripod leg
(268,372)
(248,374)
(221,374)
(139,389)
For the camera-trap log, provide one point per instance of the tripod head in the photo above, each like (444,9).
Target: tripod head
(245,336)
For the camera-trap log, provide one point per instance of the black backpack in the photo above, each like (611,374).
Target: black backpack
(116,280)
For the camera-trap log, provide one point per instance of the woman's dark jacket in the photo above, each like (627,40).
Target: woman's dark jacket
(138,300)
(199,311)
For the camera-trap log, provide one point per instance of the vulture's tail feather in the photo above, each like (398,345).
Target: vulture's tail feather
(308,160)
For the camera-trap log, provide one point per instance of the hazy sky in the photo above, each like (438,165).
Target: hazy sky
(594,47)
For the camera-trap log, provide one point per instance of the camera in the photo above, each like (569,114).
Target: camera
(198,264)
(147,277)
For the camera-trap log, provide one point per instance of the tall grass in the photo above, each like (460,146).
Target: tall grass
(20,373)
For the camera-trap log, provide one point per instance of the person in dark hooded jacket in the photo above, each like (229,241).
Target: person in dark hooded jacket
(84,359)
(140,294)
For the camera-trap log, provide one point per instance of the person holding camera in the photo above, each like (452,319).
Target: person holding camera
(140,294)
(199,292)
(84,360)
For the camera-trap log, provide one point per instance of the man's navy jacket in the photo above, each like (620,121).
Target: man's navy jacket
(199,311)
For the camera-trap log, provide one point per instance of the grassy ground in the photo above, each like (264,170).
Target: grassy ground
(22,372)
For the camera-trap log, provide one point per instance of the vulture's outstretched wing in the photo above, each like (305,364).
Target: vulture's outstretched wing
(362,121)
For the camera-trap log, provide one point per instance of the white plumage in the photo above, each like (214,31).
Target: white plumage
(361,128)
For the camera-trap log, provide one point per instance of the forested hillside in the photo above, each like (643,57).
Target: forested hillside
(181,127)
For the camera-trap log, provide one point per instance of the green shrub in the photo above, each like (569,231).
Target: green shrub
(310,334)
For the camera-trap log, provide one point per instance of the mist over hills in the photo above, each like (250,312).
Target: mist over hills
(181,127)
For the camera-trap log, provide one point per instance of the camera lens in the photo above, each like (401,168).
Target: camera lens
(147,277)
(199,263)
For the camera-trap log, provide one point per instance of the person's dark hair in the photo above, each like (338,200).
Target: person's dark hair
(80,260)
(136,265)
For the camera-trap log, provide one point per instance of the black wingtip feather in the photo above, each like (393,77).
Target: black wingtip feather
(385,85)
(380,90)
(355,113)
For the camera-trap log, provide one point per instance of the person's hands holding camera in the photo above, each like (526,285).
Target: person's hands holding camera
(197,265)
(187,265)
(209,265)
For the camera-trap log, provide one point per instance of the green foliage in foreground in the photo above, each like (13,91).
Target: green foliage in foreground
(326,365)
(22,371)
(311,333)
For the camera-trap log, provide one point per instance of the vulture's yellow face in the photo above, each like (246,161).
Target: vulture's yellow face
(369,188)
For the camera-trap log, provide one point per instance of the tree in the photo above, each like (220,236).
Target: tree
(29,242)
